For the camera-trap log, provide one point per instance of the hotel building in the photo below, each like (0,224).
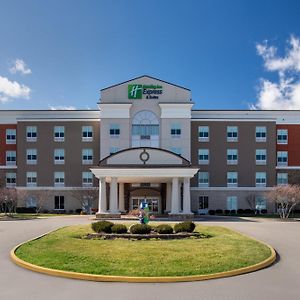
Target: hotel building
(146,141)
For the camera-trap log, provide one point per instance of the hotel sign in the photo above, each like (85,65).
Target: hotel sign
(144,91)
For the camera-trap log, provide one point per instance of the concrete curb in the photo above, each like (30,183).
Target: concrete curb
(109,278)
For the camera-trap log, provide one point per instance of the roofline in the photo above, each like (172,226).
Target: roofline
(179,86)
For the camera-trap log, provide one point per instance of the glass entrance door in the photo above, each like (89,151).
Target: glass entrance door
(153,203)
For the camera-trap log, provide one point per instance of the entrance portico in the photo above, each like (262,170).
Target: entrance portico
(144,165)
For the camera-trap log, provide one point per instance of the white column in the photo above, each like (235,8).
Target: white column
(186,196)
(113,196)
(102,207)
(121,197)
(168,196)
(175,200)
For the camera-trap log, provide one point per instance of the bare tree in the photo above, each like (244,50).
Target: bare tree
(40,197)
(86,197)
(8,200)
(251,202)
(286,197)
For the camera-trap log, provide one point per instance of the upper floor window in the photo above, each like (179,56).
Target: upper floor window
(176,150)
(282,178)
(282,158)
(260,133)
(87,156)
(59,133)
(232,156)
(232,133)
(31,133)
(114,130)
(11,136)
(59,156)
(260,179)
(59,178)
(87,179)
(11,158)
(87,133)
(31,179)
(176,130)
(203,156)
(31,156)
(203,133)
(232,179)
(232,203)
(203,179)
(260,156)
(282,136)
(11,179)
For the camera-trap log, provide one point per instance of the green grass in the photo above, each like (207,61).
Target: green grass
(66,250)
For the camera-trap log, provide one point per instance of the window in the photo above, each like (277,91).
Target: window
(232,133)
(232,203)
(87,133)
(203,156)
(59,133)
(282,178)
(232,156)
(282,136)
(59,156)
(87,179)
(203,134)
(176,150)
(260,203)
(11,179)
(10,158)
(113,150)
(203,202)
(31,202)
(203,179)
(175,130)
(10,136)
(87,156)
(260,179)
(31,133)
(59,202)
(114,130)
(31,178)
(260,156)
(59,178)
(232,179)
(260,133)
(282,158)
(31,156)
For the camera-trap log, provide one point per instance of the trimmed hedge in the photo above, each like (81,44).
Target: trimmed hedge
(164,229)
(26,210)
(140,229)
(119,228)
(102,226)
(219,211)
(186,226)
(211,212)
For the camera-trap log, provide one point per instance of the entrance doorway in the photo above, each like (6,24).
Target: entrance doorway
(153,202)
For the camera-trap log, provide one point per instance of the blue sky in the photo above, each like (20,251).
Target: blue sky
(72,49)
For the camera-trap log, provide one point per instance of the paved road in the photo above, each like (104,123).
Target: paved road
(281,281)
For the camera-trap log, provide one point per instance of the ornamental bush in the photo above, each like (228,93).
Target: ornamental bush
(102,226)
(140,229)
(164,229)
(186,226)
(119,228)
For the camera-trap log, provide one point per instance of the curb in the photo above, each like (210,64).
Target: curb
(110,278)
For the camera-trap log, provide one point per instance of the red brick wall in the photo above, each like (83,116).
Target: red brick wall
(3,146)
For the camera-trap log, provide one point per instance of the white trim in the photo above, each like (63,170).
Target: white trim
(8,167)
(287,167)
(175,110)
(218,188)
(54,188)
(115,110)
(56,119)
(233,120)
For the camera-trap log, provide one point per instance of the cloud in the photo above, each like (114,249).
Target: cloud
(62,107)
(19,66)
(10,90)
(285,92)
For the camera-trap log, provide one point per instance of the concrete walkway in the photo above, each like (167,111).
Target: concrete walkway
(280,281)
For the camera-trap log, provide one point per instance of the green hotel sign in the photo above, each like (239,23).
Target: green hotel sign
(143,91)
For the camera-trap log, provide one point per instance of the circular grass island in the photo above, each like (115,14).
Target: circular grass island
(66,252)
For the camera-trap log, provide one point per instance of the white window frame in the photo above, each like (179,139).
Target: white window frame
(282,133)
(87,133)
(30,153)
(175,130)
(59,179)
(203,152)
(232,203)
(260,181)
(59,156)
(30,132)
(61,133)
(114,130)
(260,134)
(259,155)
(282,178)
(11,136)
(87,179)
(203,133)
(88,153)
(203,179)
(31,179)
(232,179)
(232,130)
(11,179)
(230,156)
(13,158)
(280,156)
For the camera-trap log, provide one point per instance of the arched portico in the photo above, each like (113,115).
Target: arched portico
(144,164)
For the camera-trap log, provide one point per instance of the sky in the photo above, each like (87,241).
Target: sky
(233,54)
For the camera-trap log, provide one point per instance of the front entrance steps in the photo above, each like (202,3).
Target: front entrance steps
(156,217)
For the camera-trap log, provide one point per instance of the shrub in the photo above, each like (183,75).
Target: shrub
(249,211)
(26,210)
(264,211)
(140,229)
(186,226)
(102,226)
(233,212)
(227,211)
(219,211)
(211,212)
(119,228)
(164,229)
(78,210)
(240,211)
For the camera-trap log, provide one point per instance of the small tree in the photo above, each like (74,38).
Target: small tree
(85,195)
(8,200)
(251,202)
(286,197)
(39,196)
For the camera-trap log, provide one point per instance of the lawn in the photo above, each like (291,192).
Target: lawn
(65,249)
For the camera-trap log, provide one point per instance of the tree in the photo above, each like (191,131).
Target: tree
(40,197)
(286,197)
(251,201)
(8,200)
(86,197)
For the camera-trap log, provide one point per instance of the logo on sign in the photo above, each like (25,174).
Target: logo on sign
(135,91)
(140,91)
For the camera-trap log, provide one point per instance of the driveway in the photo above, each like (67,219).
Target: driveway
(280,281)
